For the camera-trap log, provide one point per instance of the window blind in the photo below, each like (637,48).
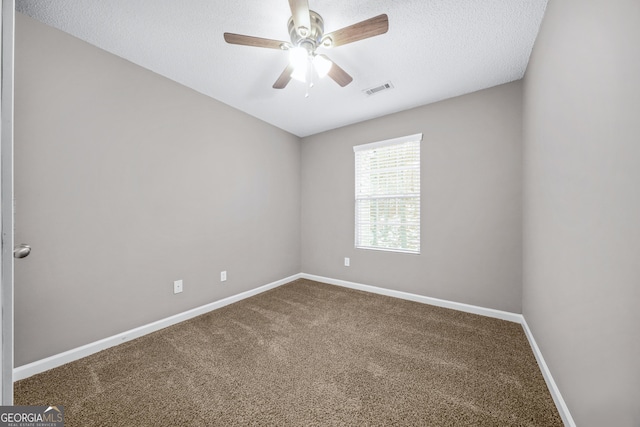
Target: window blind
(387,195)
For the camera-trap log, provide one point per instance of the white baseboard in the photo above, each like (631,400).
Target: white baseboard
(567,419)
(489,312)
(54,361)
(39,366)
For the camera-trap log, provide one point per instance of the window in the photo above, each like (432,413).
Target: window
(388,195)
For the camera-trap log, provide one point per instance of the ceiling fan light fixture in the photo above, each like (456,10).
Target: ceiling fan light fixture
(298,57)
(322,65)
(300,72)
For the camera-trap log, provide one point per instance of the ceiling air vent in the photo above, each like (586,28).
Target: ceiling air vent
(378,89)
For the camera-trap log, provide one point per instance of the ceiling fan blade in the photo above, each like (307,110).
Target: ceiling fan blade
(253,41)
(362,30)
(339,75)
(284,78)
(301,18)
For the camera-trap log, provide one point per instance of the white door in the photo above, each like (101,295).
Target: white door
(7,14)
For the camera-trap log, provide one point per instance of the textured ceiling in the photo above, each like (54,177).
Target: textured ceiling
(434,49)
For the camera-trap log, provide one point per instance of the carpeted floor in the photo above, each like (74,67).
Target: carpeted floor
(308,354)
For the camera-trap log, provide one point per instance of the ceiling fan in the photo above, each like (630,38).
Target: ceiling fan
(306,30)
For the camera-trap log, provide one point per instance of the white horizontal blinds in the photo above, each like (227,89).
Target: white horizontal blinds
(388,195)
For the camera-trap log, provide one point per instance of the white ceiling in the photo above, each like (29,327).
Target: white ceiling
(434,49)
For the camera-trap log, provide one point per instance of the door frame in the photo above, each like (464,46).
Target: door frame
(7,18)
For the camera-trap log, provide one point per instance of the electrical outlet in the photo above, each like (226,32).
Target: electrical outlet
(177,286)
(347,262)
(223,276)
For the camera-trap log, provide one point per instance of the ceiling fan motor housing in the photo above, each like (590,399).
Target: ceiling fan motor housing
(314,37)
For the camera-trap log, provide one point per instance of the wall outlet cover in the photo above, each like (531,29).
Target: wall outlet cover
(177,286)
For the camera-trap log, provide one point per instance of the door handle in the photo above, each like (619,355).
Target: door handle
(21,251)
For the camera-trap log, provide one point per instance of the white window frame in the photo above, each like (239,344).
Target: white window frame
(372,146)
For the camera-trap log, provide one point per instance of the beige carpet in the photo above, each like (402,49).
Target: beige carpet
(308,354)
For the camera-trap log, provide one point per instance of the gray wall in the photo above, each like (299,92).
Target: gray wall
(582,205)
(126,181)
(470,208)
